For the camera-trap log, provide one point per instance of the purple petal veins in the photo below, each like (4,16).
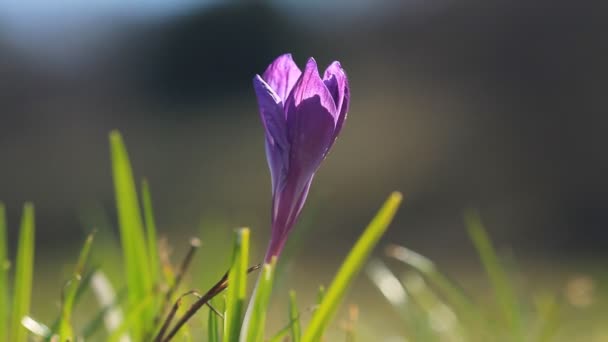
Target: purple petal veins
(282,75)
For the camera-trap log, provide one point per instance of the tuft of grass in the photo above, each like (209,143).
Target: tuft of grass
(4,267)
(65,329)
(505,295)
(237,289)
(460,318)
(351,267)
(24,267)
(134,243)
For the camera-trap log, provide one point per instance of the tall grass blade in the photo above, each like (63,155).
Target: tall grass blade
(350,268)
(294,318)
(213,327)
(237,286)
(501,285)
(65,330)
(134,245)
(150,224)
(257,320)
(24,267)
(4,267)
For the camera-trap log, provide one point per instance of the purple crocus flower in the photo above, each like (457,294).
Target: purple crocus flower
(302,115)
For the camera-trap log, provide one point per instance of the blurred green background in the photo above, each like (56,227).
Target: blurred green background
(497,105)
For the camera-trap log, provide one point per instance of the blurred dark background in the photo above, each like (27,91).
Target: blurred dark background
(494,105)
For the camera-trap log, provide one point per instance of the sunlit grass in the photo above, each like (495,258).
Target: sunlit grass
(24,272)
(158,303)
(436,309)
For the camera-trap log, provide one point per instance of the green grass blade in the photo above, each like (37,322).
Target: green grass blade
(281,335)
(237,286)
(4,267)
(137,269)
(261,299)
(294,318)
(213,327)
(150,224)
(416,323)
(351,267)
(503,290)
(23,275)
(65,330)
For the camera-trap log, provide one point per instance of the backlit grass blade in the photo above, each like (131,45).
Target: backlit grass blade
(294,318)
(501,285)
(132,317)
(441,318)
(110,313)
(65,330)
(134,245)
(237,286)
(350,268)
(4,267)
(24,267)
(36,328)
(454,295)
(150,224)
(416,323)
(257,320)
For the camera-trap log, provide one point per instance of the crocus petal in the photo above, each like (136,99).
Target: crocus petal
(287,205)
(277,164)
(311,119)
(336,81)
(282,75)
(273,119)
